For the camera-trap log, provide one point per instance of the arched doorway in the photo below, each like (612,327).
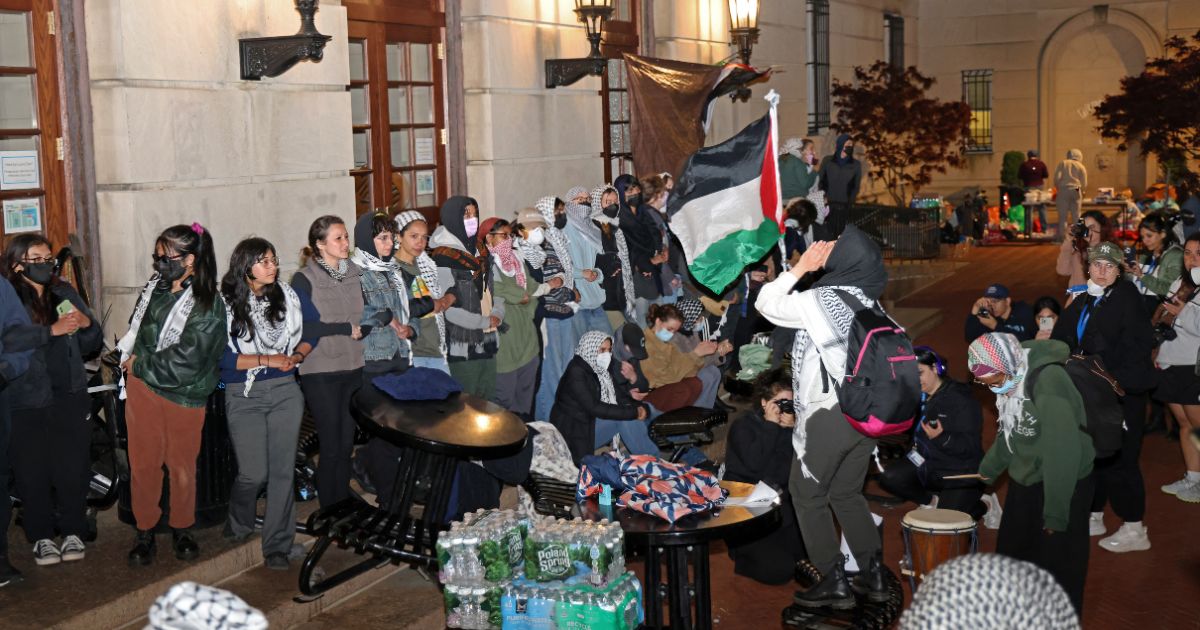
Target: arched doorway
(1082,61)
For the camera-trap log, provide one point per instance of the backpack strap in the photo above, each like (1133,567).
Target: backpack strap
(1031,379)
(850,300)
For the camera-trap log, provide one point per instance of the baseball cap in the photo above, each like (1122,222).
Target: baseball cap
(635,340)
(530,218)
(996,291)
(1105,251)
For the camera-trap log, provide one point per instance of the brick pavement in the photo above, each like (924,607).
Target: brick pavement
(1155,589)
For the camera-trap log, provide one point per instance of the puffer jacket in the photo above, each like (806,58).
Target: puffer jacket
(577,405)
(53,358)
(185,373)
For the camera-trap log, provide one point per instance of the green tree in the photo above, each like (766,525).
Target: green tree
(908,136)
(1159,110)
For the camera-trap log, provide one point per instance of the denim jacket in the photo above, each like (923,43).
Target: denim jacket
(380,294)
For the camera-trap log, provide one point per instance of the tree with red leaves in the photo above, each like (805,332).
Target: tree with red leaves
(1159,110)
(908,136)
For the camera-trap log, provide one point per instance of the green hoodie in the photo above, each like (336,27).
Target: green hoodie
(1049,445)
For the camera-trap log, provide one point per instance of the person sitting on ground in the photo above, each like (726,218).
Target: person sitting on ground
(759,449)
(947,441)
(667,364)
(1046,311)
(1072,260)
(586,410)
(996,312)
(629,350)
(1043,445)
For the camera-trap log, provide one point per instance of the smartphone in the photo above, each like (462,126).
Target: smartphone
(65,307)
(932,423)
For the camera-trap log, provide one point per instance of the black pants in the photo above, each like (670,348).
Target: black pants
(1119,478)
(5,501)
(328,397)
(839,215)
(1064,555)
(50,459)
(770,556)
(902,479)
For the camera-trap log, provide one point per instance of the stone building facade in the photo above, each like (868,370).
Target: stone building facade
(416,100)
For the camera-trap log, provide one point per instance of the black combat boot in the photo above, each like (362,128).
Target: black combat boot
(872,581)
(833,591)
(144,549)
(185,546)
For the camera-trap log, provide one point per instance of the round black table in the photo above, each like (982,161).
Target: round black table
(430,437)
(683,545)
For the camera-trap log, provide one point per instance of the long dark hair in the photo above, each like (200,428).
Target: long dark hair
(1158,222)
(196,240)
(235,286)
(41,307)
(317,232)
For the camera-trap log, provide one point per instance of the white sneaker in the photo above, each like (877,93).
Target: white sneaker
(1128,538)
(45,552)
(991,520)
(1176,486)
(1190,494)
(72,549)
(1096,524)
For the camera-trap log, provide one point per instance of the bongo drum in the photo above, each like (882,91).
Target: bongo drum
(932,537)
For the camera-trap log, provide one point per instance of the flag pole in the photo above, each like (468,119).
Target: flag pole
(772,97)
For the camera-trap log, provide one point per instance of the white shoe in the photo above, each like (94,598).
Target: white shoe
(72,549)
(1190,494)
(45,552)
(1096,524)
(1176,486)
(1127,538)
(932,505)
(991,520)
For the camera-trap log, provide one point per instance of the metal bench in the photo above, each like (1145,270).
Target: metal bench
(685,427)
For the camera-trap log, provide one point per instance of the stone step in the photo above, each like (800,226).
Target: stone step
(401,600)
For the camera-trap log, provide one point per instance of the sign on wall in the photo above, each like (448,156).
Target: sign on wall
(22,215)
(19,170)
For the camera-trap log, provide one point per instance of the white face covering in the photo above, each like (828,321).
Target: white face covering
(1094,289)
(536,237)
(471,226)
(792,223)
(1195,274)
(603,359)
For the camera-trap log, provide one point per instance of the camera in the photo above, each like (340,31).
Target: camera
(1079,230)
(786,406)
(983,312)
(1163,332)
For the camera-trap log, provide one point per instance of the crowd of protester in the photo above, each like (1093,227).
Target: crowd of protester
(579,311)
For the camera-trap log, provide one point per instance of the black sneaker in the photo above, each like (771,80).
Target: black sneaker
(872,582)
(144,548)
(45,553)
(833,591)
(184,544)
(8,573)
(277,562)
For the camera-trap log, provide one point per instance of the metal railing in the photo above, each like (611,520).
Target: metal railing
(902,232)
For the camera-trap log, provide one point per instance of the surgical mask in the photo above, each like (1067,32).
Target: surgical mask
(1045,323)
(560,221)
(1195,275)
(169,269)
(610,210)
(664,335)
(1094,289)
(536,237)
(1005,388)
(634,200)
(603,359)
(471,226)
(40,273)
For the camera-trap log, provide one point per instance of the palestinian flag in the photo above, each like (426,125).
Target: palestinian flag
(729,212)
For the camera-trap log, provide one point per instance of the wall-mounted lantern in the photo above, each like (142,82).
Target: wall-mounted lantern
(743,26)
(593,14)
(272,56)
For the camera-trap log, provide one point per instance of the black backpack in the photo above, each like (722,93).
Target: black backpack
(1101,396)
(882,390)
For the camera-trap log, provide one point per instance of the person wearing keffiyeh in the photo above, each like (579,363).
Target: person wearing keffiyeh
(586,410)
(614,262)
(1044,447)
(412,234)
(586,251)
(517,357)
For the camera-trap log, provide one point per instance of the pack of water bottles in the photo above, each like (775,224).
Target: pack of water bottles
(502,570)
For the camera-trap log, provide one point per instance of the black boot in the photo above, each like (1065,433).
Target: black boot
(833,591)
(8,573)
(872,582)
(185,546)
(143,550)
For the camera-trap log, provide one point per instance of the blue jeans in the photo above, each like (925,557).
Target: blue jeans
(635,434)
(437,363)
(589,319)
(710,376)
(560,347)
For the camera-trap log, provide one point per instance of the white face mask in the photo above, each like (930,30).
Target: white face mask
(536,237)
(603,359)
(1094,289)
(471,226)
(1195,274)
(792,223)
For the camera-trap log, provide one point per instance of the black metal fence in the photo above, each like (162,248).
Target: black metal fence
(902,232)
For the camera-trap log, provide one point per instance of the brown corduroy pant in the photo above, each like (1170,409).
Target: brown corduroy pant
(161,432)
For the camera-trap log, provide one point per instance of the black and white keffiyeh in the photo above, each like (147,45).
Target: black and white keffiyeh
(429,274)
(192,606)
(551,458)
(693,317)
(558,241)
(622,248)
(370,262)
(989,591)
(338,274)
(589,348)
(270,336)
(171,330)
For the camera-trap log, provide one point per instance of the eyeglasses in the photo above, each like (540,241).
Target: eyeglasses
(36,261)
(268,262)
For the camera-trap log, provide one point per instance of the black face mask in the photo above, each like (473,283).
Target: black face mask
(634,200)
(560,221)
(41,273)
(610,211)
(168,269)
